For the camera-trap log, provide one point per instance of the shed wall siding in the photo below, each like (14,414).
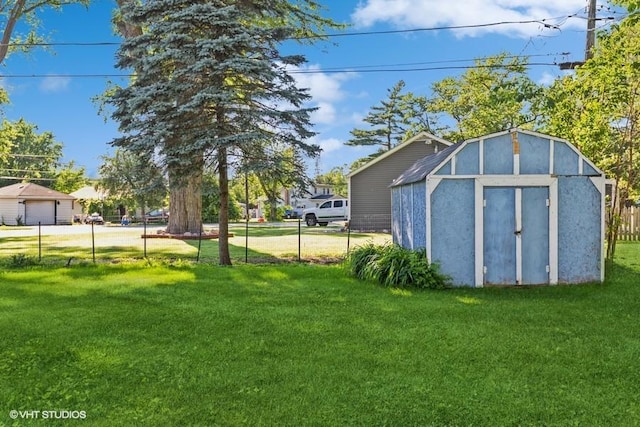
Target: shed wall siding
(534,155)
(396,207)
(579,230)
(453,230)
(369,190)
(419,215)
(407,216)
(498,156)
(468,160)
(565,160)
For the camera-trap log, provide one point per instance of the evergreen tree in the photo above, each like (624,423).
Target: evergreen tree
(209,78)
(387,122)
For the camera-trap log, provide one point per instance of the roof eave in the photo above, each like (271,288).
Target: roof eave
(418,137)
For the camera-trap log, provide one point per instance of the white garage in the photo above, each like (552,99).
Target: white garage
(33,204)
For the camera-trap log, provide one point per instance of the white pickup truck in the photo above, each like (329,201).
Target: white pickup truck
(331,210)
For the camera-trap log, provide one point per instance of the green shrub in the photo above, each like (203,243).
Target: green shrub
(22,260)
(396,267)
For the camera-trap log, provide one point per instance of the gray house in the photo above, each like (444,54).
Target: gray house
(369,193)
(515,207)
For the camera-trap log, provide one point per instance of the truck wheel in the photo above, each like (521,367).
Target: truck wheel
(311,221)
(323,224)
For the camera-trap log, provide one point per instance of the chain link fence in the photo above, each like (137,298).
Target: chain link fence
(252,242)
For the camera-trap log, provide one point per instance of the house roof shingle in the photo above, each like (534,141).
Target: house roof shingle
(32,191)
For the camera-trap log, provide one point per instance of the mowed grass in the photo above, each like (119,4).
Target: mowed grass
(183,344)
(265,243)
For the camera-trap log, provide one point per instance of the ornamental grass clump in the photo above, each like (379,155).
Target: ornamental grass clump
(395,267)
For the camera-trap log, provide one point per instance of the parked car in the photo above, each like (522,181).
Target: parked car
(331,210)
(294,213)
(94,218)
(157,215)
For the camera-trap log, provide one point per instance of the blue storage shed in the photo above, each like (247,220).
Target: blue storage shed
(510,208)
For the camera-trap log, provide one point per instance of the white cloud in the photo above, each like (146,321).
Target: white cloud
(325,90)
(432,13)
(54,84)
(325,114)
(322,86)
(327,144)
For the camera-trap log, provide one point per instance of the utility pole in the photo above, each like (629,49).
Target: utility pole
(591,39)
(591,30)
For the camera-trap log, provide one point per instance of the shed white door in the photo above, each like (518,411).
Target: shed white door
(40,211)
(516,235)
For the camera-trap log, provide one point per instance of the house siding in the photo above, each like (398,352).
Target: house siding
(64,213)
(9,211)
(370,196)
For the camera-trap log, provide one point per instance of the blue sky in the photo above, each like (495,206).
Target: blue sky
(62,104)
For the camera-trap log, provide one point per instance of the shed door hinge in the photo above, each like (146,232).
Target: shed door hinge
(548,203)
(484,203)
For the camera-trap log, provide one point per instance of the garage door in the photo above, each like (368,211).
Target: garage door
(42,211)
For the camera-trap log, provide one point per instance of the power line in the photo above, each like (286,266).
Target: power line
(62,76)
(333,70)
(440,28)
(399,70)
(446,61)
(544,22)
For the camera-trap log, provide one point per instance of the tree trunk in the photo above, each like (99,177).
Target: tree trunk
(185,203)
(223,239)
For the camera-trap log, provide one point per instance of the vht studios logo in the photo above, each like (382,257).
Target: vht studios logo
(48,415)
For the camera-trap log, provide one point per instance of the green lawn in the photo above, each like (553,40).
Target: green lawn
(183,344)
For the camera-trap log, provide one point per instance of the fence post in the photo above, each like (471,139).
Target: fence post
(144,234)
(199,243)
(299,238)
(93,243)
(246,240)
(39,241)
(348,236)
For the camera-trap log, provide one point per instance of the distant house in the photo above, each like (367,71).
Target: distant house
(314,196)
(31,204)
(510,208)
(369,192)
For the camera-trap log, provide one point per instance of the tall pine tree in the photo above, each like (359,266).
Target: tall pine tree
(209,78)
(387,122)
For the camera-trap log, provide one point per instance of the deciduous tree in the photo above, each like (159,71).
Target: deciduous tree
(27,154)
(598,109)
(133,178)
(494,95)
